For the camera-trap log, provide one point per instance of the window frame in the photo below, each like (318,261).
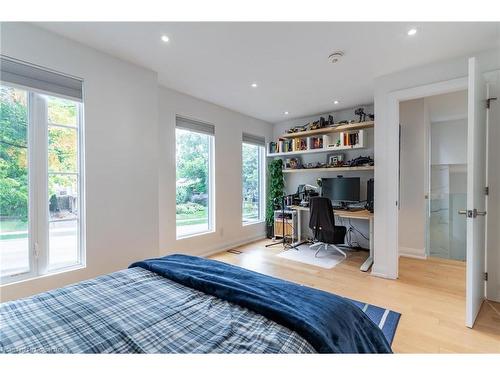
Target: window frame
(210,188)
(38,176)
(262,184)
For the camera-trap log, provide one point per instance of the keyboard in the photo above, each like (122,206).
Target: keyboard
(355,209)
(350,209)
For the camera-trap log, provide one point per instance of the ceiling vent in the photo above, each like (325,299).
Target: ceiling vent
(335,56)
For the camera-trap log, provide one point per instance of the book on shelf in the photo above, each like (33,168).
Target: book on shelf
(299,144)
(341,140)
(315,143)
(272,147)
(345,139)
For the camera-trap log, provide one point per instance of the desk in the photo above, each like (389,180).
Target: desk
(361,215)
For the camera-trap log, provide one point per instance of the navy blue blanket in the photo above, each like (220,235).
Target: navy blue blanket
(330,323)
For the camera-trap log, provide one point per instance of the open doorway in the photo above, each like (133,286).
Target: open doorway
(433,189)
(446,195)
(433,176)
(479,120)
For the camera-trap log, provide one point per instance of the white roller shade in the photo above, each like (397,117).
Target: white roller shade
(39,79)
(195,126)
(253,139)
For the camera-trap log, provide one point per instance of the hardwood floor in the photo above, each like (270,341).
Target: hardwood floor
(430,295)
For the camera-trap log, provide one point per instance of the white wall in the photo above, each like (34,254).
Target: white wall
(130,159)
(386,148)
(449,142)
(121,127)
(448,118)
(447,107)
(412,211)
(229,126)
(292,180)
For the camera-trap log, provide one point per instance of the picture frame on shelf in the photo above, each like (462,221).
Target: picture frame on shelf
(335,159)
(293,163)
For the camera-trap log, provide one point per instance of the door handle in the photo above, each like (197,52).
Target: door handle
(472,213)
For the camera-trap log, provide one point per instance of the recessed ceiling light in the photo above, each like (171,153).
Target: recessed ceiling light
(254,84)
(335,102)
(165,38)
(286,112)
(412,32)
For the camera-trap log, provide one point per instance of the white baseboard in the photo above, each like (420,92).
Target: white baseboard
(495,297)
(231,245)
(411,252)
(382,275)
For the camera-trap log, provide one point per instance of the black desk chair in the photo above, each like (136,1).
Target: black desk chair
(322,223)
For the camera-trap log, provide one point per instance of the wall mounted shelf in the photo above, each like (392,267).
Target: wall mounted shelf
(316,150)
(338,169)
(328,130)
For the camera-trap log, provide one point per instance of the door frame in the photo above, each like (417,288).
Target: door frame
(394,99)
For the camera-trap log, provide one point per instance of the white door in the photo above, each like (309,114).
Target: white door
(476,198)
(493,181)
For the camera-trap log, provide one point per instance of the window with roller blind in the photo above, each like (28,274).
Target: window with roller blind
(252,182)
(41,169)
(194,177)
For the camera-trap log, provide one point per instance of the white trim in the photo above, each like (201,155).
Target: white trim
(220,248)
(41,186)
(382,275)
(410,252)
(392,142)
(427,176)
(212,223)
(231,245)
(195,234)
(57,271)
(250,223)
(82,187)
(262,181)
(441,119)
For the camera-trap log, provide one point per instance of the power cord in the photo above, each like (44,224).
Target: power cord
(352,231)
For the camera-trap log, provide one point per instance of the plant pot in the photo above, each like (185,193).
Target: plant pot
(269,231)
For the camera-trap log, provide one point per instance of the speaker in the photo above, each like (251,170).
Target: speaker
(369,195)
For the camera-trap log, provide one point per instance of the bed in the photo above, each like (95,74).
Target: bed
(183,304)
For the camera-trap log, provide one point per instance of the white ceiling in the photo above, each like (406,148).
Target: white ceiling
(218,62)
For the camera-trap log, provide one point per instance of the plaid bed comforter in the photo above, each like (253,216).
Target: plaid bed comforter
(137,311)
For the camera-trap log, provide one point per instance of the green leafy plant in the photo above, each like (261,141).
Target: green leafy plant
(189,208)
(276,186)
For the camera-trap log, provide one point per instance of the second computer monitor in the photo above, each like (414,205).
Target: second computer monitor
(341,189)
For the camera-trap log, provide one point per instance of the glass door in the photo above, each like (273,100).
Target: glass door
(448,195)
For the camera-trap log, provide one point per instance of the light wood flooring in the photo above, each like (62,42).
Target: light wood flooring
(430,295)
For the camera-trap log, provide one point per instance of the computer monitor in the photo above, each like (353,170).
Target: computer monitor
(341,190)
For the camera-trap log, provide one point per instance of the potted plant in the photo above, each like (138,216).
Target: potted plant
(276,185)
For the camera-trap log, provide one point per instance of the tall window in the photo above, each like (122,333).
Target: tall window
(194,177)
(252,179)
(41,221)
